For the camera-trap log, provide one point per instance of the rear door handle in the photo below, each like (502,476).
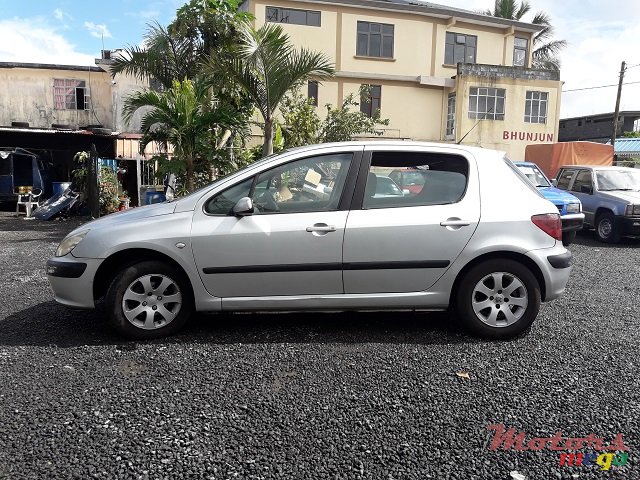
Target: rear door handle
(321,228)
(454,222)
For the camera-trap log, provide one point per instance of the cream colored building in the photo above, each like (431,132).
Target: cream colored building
(437,73)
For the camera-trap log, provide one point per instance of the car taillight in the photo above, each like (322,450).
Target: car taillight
(550,224)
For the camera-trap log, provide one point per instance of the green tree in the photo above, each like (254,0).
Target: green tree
(178,51)
(184,116)
(302,125)
(545,49)
(266,65)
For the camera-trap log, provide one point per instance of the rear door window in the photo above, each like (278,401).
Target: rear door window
(422,178)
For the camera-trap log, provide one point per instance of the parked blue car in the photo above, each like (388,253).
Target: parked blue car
(568,205)
(610,197)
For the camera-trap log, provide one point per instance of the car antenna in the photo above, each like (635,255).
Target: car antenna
(481,118)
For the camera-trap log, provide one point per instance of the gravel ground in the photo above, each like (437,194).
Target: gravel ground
(311,395)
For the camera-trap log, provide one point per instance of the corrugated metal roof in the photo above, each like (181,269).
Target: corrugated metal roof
(626,147)
(50,130)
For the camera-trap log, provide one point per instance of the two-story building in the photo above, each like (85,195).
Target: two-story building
(437,73)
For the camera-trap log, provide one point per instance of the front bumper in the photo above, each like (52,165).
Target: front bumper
(572,222)
(628,225)
(72,280)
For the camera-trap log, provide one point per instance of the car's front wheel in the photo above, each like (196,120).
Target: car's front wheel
(149,299)
(498,299)
(606,228)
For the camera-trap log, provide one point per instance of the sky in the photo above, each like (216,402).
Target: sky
(600,35)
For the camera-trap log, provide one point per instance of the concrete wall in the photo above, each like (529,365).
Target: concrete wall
(26,95)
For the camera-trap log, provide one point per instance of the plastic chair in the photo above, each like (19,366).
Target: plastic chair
(29,200)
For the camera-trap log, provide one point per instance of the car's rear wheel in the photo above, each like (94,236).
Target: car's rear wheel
(498,299)
(149,300)
(606,228)
(568,238)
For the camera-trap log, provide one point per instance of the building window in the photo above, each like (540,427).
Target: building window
(520,46)
(460,48)
(312,92)
(294,16)
(375,40)
(70,94)
(370,100)
(486,103)
(535,109)
(451,114)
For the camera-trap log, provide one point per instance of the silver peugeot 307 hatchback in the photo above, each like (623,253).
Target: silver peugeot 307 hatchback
(315,228)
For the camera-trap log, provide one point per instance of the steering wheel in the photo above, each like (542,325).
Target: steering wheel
(267,202)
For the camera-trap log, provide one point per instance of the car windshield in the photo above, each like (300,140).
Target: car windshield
(535,176)
(609,180)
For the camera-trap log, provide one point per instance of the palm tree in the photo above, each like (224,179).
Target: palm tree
(545,50)
(182,116)
(164,57)
(267,66)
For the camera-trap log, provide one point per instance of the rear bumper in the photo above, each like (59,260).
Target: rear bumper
(72,280)
(555,278)
(572,222)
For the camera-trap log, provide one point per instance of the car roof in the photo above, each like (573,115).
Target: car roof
(398,143)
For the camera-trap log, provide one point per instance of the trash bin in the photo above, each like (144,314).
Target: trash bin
(154,197)
(60,187)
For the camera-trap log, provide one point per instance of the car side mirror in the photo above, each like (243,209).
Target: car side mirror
(243,207)
(406,192)
(554,182)
(586,189)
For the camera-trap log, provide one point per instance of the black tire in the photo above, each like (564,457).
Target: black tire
(101,131)
(61,126)
(606,228)
(568,238)
(522,316)
(20,124)
(130,281)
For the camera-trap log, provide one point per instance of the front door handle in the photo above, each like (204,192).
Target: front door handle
(321,229)
(454,222)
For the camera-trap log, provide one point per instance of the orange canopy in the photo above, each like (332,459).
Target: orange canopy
(551,156)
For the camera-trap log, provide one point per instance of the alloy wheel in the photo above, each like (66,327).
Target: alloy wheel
(151,301)
(499,299)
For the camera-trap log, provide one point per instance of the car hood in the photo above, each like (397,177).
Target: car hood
(631,197)
(557,195)
(130,215)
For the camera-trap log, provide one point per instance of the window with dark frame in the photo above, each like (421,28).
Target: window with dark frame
(520,52)
(70,94)
(451,114)
(370,100)
(535,108)
(460,48)
(486,103)
(312,92)
(374,40)
(294,16)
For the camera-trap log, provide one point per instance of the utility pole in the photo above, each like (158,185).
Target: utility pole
(623,68)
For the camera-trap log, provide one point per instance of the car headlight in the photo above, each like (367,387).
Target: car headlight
(70,243)
(573,208)
(632,210)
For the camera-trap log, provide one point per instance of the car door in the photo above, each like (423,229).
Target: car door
(291,244)
(404,244)
(583,188)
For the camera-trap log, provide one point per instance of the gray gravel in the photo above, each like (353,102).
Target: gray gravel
(310,395)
